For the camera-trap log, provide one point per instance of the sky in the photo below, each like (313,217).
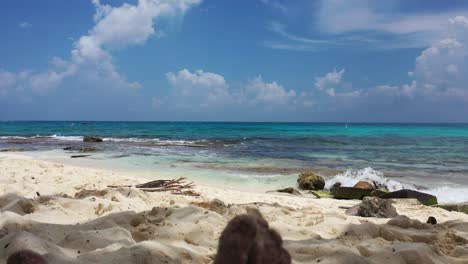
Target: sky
(226,60)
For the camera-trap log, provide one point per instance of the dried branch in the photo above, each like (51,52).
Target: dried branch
(175,186)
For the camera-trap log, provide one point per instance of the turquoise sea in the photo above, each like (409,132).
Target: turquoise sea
(263,156)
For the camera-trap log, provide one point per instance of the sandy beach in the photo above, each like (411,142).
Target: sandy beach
(69,215)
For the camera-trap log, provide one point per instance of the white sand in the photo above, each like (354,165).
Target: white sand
(130,226)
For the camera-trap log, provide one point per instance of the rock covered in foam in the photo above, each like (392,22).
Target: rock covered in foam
(365,185)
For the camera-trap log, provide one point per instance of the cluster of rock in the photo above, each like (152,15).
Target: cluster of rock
(86,147)
(315,184)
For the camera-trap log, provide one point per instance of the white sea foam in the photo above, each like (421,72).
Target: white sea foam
(68,138)
(449,194)
(351,177)
(444,194)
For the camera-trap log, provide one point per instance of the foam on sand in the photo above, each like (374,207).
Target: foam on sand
(75,218)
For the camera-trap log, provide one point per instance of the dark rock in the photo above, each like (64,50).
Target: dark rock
(456,207)
(349,192)
(365,185)
(424,198)
(289,190)
(92,139)
(373,207)
(79,156)
(10,150)
(80,148)
(26,257)
(334,186)
(378,192)
(310,181)
(431,220)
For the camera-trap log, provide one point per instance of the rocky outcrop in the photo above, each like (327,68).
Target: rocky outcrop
(424,198)
(349,192)
(92,139)
(457,207)
(365,185)
(373,207)
(80,148)
(310,181)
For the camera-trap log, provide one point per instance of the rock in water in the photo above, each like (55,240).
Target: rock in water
(373,207)
(92,139)
(80,148)
(424,198)
(365,185)
(349,192)
(310,181)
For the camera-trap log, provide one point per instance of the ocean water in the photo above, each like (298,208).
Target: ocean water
(263,156)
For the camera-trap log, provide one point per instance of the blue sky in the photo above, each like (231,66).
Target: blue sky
(213,60)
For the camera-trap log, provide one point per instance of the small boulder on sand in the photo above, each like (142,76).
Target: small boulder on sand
(373,207)
(310,181)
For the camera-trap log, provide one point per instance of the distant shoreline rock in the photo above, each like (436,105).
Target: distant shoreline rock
(92,139)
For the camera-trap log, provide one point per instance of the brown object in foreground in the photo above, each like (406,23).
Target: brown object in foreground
(247,239)
(175,186)
(26,257)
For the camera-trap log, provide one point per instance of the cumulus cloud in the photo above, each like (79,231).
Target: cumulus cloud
(328,82)
(198,88)
(259,91)
(207,89)
(25,25)
(115,28)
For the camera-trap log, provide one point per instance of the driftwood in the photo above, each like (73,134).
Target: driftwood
(175,186)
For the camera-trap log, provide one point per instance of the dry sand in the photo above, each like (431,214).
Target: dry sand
(77,219)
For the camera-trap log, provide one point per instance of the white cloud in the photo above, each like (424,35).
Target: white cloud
(24,25)
(259,91)
(7,81)
(276,5)
(207,89)
(328,81)
(115,28)
(375,24)
(198,88)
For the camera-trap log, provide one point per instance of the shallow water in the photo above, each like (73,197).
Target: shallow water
(264,155)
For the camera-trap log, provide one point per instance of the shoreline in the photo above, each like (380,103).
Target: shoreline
(184,229)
